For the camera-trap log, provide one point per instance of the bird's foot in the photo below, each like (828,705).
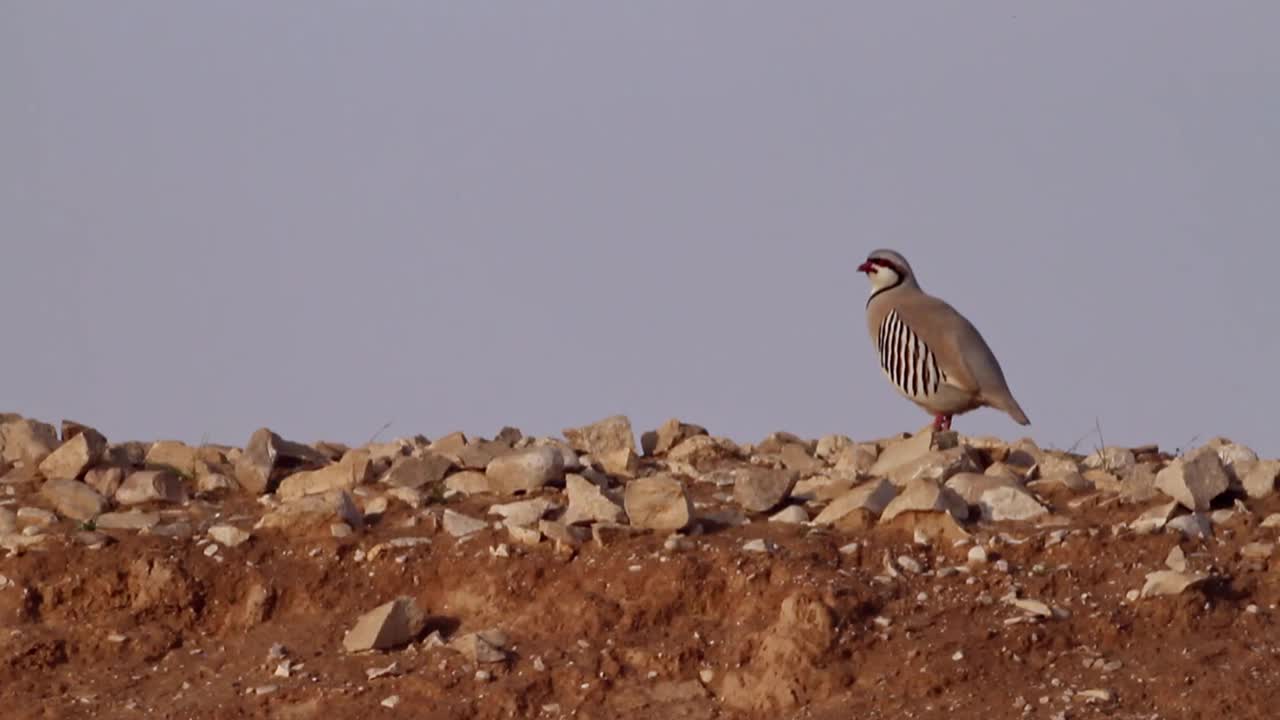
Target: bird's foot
(941,422)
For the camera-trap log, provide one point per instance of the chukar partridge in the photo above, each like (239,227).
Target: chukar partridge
(933,356)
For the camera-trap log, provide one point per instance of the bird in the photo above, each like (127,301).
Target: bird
(931,353)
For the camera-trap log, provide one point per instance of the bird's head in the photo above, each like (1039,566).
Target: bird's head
(887,269)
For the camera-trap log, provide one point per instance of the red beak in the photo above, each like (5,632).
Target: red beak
(866,267)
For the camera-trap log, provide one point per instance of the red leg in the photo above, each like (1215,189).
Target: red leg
(941,422)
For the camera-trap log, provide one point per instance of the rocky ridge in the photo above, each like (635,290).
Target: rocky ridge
(934,525)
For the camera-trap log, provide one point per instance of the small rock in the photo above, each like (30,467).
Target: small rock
(1009,503)
(228,535)
(132,520)
(911,449)
(938,466)
(390,702)
(759,489)
(27,441)
(1170,582)
(1176,559)
(790,515)
(588,503)
(658,503)
(603,437)
(830,446)
(524,470)
(1257,550)
(525,535)
(1195,479)
(106,480)
(926,496)
(387,626)
(759,545)
(977,555)
(855,460)
(620,463)
(468,482)
(970,486)
(428,468)
(72,498)
(1193,525)
(314,511)
(211,483)
(1111,459)
(35,517)
(667,436)
(1270,521)
(172,455)
(377,672)
(486,646)
(523,512)
(703,451)
(459,525)
(152,486)
(1260,480)
(267,456)
(354,469)
(1155,518)
(74,457)
(564,536)
(871,498)
(823,488)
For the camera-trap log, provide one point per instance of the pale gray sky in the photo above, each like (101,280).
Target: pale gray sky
(324,216)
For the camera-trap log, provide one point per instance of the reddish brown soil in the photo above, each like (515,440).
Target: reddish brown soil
(150,627)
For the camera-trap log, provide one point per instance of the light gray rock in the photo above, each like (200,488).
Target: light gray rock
(73,499)
(1111,459)
(659,502)
(1260,480)
(267,455)
(1154,518)
(1192,525)
(871,497)
(146,486)
(524,470)
(106,480)
(524,512)
(1009,502)
(387,626)
(426,468)
(1195,479)
(74,457)
(354,469)
(1171,582)
(926,496)
(912,449)
(313,511)
(938,465)
(459,525)
(667,436)
(970,486)
(704,451)
(760,489)
(484,647)
(229,535)
(132,520)
(468,482)
(589,503)
(600,438)
(830,446)
(27,441)
(8,521)
(790,515)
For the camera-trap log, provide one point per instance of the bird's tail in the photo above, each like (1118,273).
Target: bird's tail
(1011,406)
